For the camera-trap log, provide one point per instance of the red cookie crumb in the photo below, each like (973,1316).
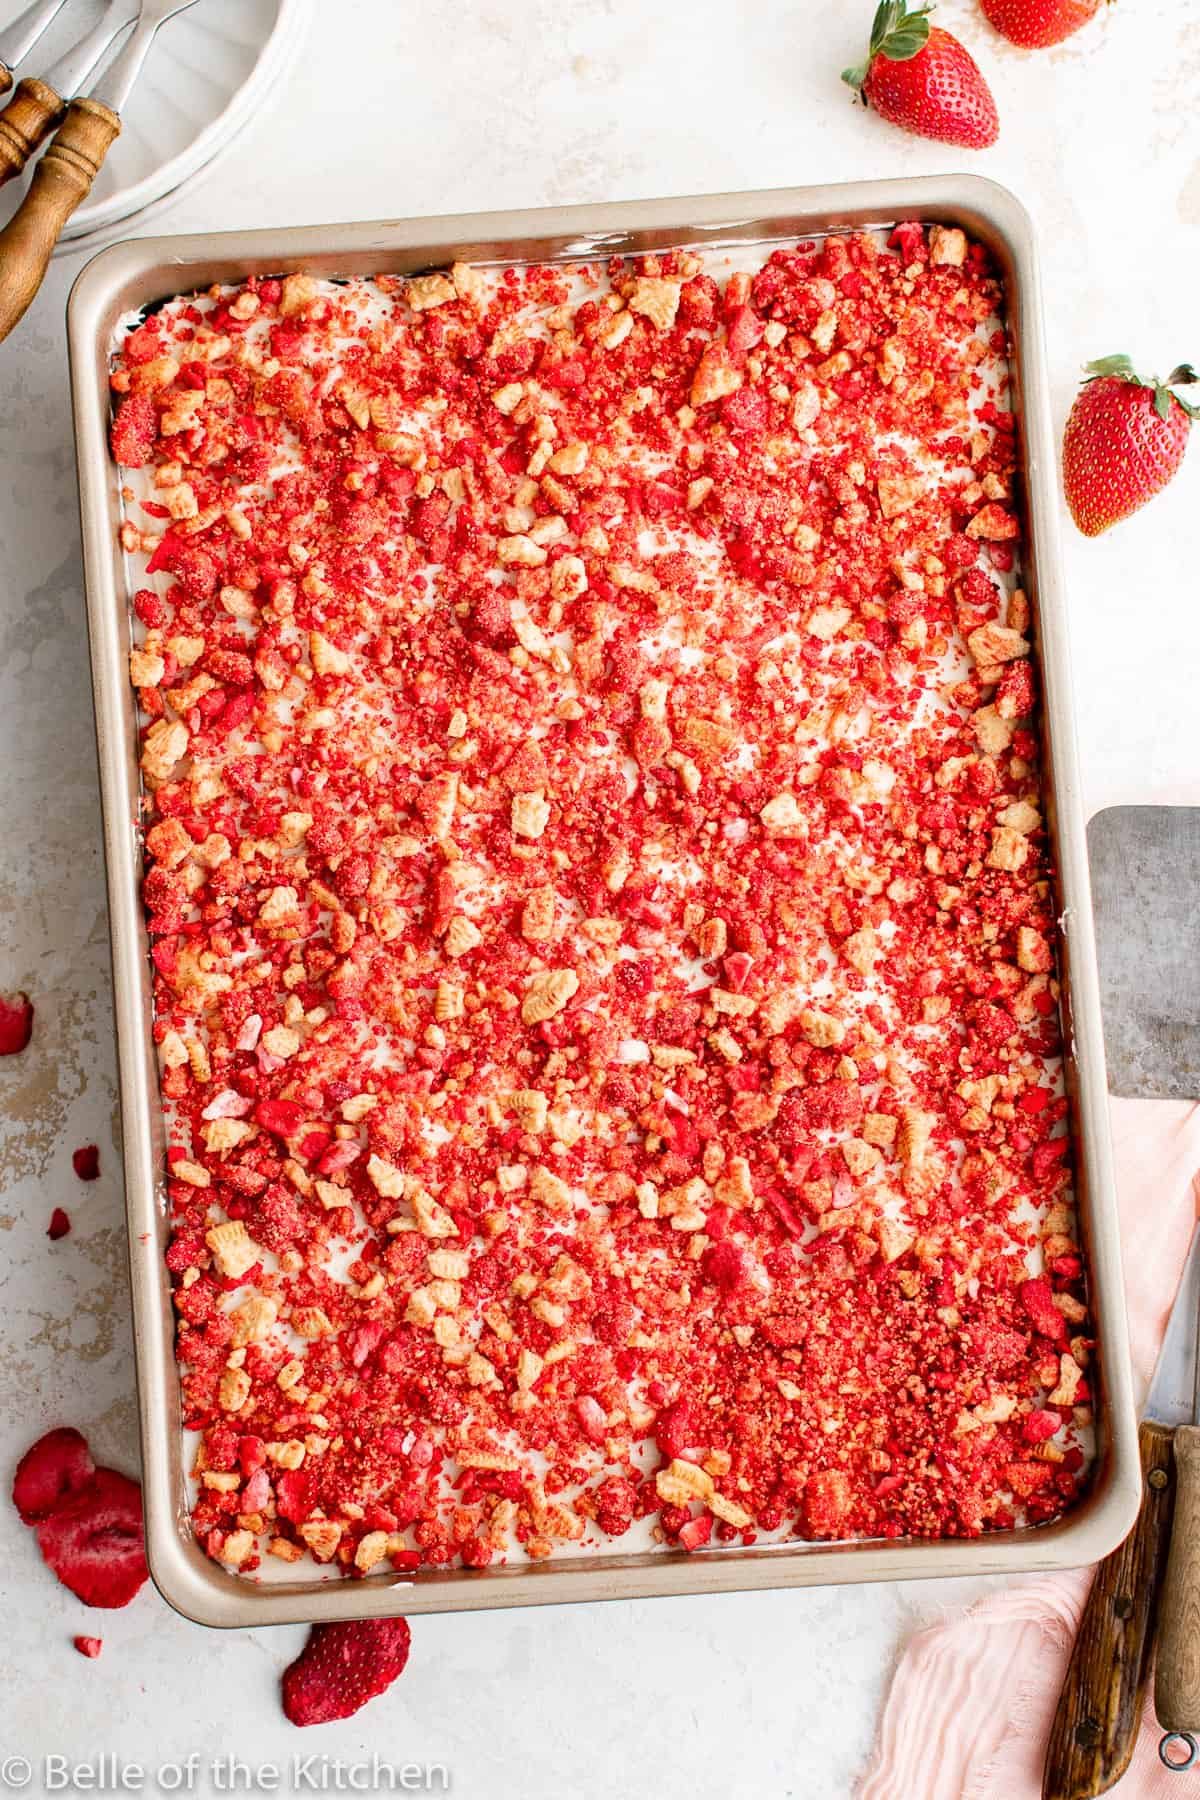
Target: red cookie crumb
(16,1023)
(341,1667)
(60,1224)
(86,1162)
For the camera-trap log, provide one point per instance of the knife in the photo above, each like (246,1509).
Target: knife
(40,102)
(1151,1581)
(23,34)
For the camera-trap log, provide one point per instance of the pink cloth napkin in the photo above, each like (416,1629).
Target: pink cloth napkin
(972,1700)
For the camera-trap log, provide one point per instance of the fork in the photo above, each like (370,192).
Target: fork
(23,34)
(39,103)
(64,177)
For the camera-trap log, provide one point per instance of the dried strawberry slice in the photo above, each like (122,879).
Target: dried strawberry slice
(341,1667)
(51,1472)
(86,1162)
(59,1226)
(283,1117)
(95,1545)
(88,1646)
(16,1023)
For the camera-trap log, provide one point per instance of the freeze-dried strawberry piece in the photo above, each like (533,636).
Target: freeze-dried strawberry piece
(86,1162)
(747,411)
(134,431)
(88,1646)
(341,1667)
(826,1503)
(283,1117)
(94,1543)
(726,1266)
(696,1532)
(16,1023)
(59,1226)
(51,1471)
(1048,1155)
(616,1505)
(1040,1425)
(295,1492)
(1037,1297)
(678,1427)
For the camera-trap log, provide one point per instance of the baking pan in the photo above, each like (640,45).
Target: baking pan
(129,276)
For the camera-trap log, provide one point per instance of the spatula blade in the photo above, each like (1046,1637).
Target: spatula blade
(1146,888)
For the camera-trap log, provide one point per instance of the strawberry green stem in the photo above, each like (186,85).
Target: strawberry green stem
(896,33)
(1164,391)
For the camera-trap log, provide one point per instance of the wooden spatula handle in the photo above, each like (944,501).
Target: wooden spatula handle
(61,180)
(26,122)
(1100,1709)
(1177,1671)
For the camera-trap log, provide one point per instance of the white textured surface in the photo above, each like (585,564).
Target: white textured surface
(397,110)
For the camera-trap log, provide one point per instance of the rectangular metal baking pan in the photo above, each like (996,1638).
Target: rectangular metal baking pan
(131,275)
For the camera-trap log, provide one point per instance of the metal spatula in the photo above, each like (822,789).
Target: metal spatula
(1145,878)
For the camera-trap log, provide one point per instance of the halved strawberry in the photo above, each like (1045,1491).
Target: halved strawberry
(95,1543)
(341,1667)
(51,1472)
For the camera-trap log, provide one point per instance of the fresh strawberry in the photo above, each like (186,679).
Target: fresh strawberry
(88,1646)
(341,1667)
(919,77)
(51,1472)
(59,1226)
(1124,440)
(1036,24)
(95,1544)
(133,431)
(16,1023)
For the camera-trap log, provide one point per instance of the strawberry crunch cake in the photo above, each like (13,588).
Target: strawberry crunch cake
(601,910)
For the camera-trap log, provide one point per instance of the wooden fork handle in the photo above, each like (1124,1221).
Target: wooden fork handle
(26,122)
(61,181)
(1100,1709)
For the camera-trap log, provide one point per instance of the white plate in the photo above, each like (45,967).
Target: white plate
(207,73)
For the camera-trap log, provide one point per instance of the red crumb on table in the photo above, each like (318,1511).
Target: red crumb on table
(88,1646)
(16,1023)
(86,1162)
(600,907)
(59,1226)
(341,1667)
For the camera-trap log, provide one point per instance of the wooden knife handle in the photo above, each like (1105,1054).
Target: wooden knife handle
(6,77)
(61,180)
(1100,1709)
(1177,1671)
(26,122)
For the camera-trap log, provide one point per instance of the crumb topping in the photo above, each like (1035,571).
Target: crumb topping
(600,905)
